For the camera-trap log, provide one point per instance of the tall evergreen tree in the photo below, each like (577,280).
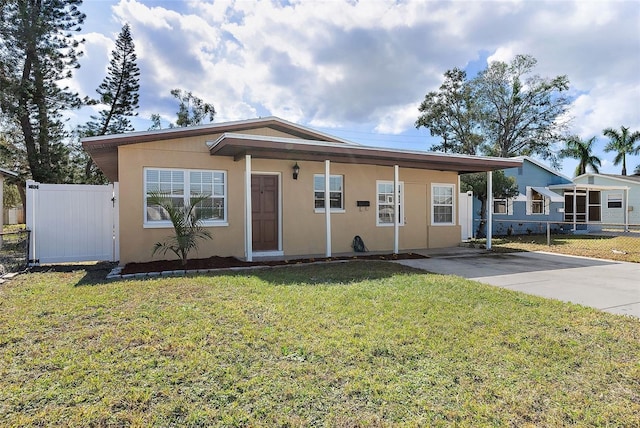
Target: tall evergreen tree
(623,143)
(118,92)
(37,51)
(583,151)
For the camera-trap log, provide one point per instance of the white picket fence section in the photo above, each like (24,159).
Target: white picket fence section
(72,222)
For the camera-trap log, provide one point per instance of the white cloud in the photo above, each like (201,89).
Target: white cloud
(367,64)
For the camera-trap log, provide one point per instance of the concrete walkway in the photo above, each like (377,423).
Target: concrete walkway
(602,284)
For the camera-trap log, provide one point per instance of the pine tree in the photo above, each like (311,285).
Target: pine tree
(118,92)
(37,51)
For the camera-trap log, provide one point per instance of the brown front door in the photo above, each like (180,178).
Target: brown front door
(264,212)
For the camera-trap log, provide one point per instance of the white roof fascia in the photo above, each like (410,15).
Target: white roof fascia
(284,140)
(213,127)
(586,187)
(606,177)
(7,172)
(299,141)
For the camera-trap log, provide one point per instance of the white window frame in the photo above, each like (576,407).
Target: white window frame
(546,203)
(452,204)
(508,206)
(389,200)
(333,210)
(186,195)
(614,198)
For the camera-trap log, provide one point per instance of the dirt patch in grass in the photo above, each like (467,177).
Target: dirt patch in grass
(217,262)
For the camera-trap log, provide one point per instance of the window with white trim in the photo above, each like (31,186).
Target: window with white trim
(336,192)
(501,206)
(385,203)
(442,204)
(614,200)
(181,185)
(537,203)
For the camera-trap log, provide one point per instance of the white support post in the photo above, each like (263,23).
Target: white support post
(248,245)
(396,208)
(626,209)
(30,219)
(575,208)
(116,221)
(489,208)
(327,205)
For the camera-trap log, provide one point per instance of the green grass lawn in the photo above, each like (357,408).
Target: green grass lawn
(341,344)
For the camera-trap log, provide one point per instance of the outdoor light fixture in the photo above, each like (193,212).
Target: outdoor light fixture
(296,171)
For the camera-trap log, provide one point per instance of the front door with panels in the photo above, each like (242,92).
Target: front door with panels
(264,212)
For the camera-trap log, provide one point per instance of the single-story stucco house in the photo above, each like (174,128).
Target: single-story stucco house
(266,179)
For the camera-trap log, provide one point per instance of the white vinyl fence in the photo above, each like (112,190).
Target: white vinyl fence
(72,222)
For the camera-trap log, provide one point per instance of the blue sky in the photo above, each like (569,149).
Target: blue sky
(359,69)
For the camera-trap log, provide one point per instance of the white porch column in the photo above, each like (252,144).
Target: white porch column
(396,208)
(575,208)
(626,209)
(489,208)
(327,205)
(248,231)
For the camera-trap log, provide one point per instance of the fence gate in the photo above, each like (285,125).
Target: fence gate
(72,222)
(465,215)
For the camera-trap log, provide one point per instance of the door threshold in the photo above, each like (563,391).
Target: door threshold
(273,253)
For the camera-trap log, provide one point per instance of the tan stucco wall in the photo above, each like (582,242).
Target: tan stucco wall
(303,229)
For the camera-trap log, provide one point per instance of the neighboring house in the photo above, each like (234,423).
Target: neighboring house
(261,206)
(603,198)
(535,204)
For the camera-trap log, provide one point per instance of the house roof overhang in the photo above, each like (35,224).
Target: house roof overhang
(240,145)
(578,186)
(103,149)
(7,173)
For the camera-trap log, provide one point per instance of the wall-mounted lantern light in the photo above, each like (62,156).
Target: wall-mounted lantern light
(296,171)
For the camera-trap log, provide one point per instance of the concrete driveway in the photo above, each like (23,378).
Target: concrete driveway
(602,284)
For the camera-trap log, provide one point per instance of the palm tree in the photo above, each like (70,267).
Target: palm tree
(623,143)
(186,225)
(581,150)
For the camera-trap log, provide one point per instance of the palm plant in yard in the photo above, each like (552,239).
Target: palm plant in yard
(582,150)
(186,225)
(622,142)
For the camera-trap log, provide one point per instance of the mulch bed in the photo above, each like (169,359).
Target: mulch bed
(216,262)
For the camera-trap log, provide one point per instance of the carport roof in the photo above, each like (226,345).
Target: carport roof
(239,145)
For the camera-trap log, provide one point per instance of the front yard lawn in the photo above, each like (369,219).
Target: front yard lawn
(340,344)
